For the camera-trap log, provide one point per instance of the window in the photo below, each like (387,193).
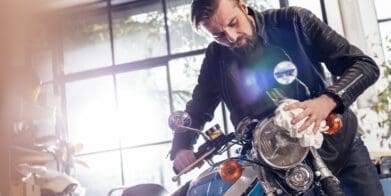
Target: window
(86,42)
(139,32)
(92,114)
(143,106)
(182,35)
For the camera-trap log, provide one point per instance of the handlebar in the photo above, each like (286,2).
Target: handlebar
(217,144)
(206,152)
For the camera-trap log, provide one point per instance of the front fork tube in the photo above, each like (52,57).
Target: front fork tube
(263,180)
(321,170)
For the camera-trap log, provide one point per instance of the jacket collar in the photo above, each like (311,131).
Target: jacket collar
(259,24)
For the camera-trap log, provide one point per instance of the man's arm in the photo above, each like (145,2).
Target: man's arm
(201,107)
(357,71)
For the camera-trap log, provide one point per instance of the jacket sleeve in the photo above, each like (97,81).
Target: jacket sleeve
(201,107)
(356,70)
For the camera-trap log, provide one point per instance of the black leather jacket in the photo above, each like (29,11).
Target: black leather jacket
(308,42)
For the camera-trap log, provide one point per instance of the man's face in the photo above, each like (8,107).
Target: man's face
(231,26)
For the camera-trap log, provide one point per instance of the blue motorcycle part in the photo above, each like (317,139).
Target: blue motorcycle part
(209,183)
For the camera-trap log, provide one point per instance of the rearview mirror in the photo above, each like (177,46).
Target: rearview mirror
(178,120)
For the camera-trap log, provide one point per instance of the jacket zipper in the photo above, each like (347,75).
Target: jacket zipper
(342,91)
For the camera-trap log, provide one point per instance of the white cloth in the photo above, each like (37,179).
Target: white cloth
(307,137)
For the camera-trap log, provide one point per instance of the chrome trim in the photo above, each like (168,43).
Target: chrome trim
(257,134)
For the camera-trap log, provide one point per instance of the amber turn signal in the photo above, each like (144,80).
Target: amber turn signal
(334,122)
(230,170)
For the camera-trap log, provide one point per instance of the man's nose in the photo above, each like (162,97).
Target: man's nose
(231,36)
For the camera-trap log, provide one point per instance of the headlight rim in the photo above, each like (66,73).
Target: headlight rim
(256,144)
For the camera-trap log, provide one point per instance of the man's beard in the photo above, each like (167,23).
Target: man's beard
(250,43)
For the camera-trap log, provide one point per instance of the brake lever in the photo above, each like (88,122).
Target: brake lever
(191,166)
(195,131)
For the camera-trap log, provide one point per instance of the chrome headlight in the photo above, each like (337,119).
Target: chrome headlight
(275,147)
(300,178)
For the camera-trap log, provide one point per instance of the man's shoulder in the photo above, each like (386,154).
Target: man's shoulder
(215,49)
(282,14)
(214,46)
(284,10)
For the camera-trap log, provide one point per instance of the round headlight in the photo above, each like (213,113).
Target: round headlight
(275,146)
(300,177)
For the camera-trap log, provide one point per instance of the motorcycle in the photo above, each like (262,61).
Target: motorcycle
(273,160)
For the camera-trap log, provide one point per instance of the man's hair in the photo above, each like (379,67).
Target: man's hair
(202,10)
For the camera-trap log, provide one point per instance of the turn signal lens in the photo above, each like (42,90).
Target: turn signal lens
(334,122)
(230,170)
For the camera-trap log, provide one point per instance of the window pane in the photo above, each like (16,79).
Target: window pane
(103,174)
(312,5)
(143,106)
(383,8)
(184,73)
(385,31)
(182,35)
(139,32)
(86,42)
(91,113)
(148,165)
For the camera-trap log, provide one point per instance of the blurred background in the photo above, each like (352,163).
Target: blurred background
(96,81)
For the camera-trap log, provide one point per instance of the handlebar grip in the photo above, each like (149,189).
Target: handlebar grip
(331,187)
(197,155)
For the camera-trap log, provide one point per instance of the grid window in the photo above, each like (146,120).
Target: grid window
(86,42)
(182,35)
(139,32)
(143,106)
(92,114)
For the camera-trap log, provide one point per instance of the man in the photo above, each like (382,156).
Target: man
(242,38)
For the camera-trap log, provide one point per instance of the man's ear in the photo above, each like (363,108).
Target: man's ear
(243,6)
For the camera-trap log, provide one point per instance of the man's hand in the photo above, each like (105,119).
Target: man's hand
(182,159)
(315,110)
